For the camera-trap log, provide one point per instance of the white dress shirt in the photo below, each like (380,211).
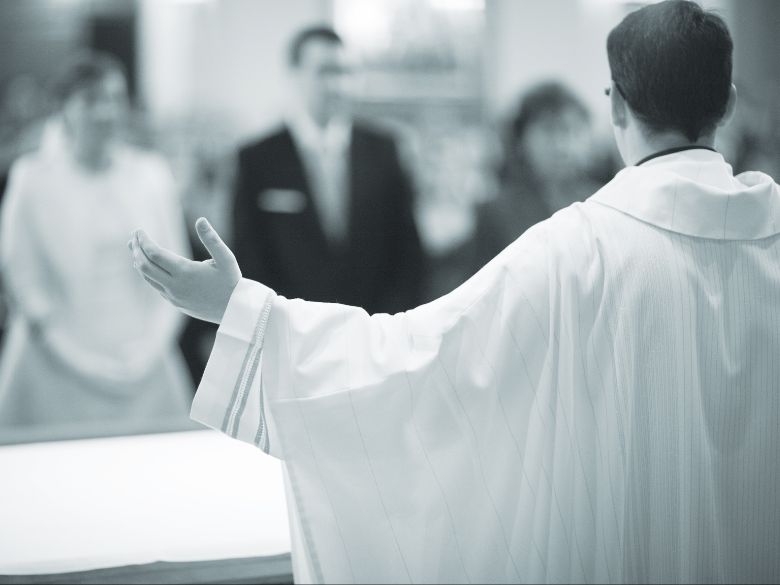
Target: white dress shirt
(325,155)
(600,403)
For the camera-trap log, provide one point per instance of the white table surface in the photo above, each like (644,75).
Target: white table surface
(90,504)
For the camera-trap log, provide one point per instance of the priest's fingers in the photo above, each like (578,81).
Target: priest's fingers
(158,288)
(148,269)
(219,251)
(164,259)
(154,285)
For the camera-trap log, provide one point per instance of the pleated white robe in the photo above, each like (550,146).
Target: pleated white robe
(600,403)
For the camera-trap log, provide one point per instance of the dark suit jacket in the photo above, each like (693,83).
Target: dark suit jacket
(279,240)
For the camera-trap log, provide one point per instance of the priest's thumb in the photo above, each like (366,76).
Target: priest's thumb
(219,251)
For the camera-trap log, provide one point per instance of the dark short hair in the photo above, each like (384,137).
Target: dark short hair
(85,69)
(303,37)
(672,62)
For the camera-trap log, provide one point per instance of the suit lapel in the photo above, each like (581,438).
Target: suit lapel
(355,184)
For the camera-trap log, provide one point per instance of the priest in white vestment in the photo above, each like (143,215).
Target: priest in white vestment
(600,403)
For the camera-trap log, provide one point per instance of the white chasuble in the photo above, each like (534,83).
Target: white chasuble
(601,402)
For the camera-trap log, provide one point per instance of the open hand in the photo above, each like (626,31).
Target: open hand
(199,289)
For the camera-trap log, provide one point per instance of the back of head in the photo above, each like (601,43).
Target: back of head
(672,63)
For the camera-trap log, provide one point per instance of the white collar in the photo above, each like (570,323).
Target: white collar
(334,137)
(694,192)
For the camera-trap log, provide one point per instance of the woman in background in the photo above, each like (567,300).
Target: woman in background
(544,169)
(87,340)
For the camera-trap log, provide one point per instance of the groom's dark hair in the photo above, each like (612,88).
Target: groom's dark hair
(672,63)
(303,37)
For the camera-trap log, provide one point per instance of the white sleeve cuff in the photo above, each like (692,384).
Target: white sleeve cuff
(248,300)
(230,397)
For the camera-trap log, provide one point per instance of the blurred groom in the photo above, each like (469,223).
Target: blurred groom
(323,209)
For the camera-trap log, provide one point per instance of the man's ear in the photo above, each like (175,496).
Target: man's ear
(619,108)
(731,106)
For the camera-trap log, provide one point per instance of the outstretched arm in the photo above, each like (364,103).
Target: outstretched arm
(199,289)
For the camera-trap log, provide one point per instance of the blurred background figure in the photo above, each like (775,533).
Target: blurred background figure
(323,208)
(545,167)
(759,148)
(87,341)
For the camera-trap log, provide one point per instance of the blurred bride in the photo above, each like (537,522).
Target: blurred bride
(87,339)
